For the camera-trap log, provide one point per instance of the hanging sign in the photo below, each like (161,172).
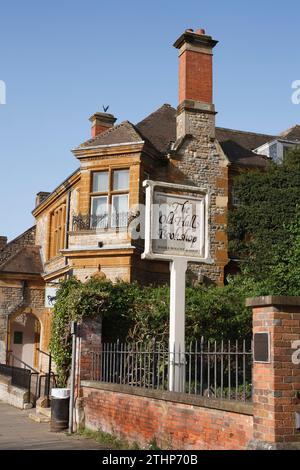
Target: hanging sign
(50,296)
(176,222)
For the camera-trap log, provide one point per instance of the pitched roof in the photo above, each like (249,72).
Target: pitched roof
(247,140)
(26,238)
(292,134)
(160,127)
(122,133)
(241,156)
(27,260)
(238,146)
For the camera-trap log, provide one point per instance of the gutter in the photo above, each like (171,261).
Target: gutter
(139,142)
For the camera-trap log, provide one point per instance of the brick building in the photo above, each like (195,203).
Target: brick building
(81,227)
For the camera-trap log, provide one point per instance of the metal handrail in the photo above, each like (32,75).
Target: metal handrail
(43,352)
(10,354)
(26,367)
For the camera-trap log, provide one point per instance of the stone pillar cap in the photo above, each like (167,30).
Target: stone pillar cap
(265,301)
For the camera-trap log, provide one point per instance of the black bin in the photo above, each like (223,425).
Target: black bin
(60,401)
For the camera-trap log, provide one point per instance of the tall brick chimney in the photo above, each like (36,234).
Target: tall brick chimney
(101,122)
(195,78)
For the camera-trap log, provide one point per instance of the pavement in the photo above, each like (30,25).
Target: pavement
(18,432)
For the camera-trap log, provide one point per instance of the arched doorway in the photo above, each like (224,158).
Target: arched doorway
(25,332)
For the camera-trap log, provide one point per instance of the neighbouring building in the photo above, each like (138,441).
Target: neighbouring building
(81,227)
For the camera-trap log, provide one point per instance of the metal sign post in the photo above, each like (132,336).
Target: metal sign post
(176,230)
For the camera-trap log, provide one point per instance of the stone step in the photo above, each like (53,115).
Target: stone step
(39,418)
(43,411)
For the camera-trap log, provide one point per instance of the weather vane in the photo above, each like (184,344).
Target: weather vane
(105,108)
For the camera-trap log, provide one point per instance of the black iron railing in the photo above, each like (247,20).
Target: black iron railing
(22,375)
(207,368)
(26,377)
(104,221)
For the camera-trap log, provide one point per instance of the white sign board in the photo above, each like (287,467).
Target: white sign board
(50,296)
(176,222)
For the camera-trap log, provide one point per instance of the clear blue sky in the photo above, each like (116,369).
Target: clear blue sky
(61,60)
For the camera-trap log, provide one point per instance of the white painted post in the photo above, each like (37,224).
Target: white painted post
(178,269)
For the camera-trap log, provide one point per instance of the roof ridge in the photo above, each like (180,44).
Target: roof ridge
(19,236)
(165,105)
(245,132)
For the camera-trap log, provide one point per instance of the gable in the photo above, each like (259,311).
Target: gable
(27,260)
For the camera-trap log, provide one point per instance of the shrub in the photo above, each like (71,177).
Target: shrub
(139,314)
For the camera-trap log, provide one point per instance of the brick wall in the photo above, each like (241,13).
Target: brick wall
(142,416)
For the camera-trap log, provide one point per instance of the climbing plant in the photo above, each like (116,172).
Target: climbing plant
(260,225)
(134,313)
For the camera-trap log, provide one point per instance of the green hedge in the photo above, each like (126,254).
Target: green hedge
(138,314)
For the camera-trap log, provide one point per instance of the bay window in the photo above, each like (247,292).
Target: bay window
(110,198)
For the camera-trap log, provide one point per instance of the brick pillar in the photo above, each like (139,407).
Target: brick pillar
(89,339)
(276,382)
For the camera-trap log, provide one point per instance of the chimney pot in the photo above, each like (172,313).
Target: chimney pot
(40,197)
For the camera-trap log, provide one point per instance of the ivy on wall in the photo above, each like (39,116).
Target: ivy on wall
(139,314)
(262,226)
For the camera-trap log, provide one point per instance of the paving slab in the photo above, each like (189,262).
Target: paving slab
(18,432)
